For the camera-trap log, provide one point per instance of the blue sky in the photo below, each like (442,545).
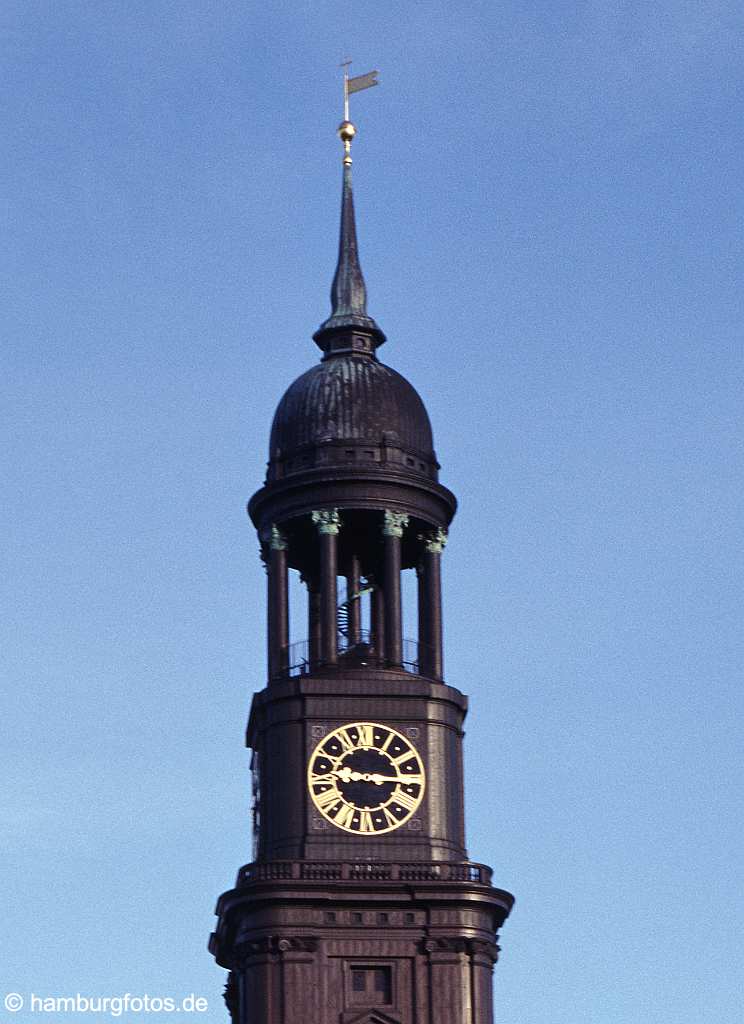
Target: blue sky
(550,214)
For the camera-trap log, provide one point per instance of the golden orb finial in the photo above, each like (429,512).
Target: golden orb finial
(346,132)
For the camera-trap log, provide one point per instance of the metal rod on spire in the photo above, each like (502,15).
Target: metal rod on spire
(345,66)
(347,131)
(348,292)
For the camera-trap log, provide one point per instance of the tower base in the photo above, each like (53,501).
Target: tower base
(367,943)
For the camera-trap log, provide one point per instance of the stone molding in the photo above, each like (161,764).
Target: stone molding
(457,944)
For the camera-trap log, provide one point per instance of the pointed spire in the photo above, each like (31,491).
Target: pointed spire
(348,291)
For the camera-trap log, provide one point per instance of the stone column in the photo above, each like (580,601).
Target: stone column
(449,971)
(328,523)
(313,620)
(377,621)
(278,603)
(430,594)
(354,602)
(423,662)
(393,525)
(483,955)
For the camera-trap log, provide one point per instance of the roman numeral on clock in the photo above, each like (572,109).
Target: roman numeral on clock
(390,818)
(366,735)
(347,743)
(325,800)
(404,799)
(388,741)
(398,761)
(344,815)
(324,780)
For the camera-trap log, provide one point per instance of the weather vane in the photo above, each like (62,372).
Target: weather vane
(346,130)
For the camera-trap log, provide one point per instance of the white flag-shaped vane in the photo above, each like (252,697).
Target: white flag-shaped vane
(362,82)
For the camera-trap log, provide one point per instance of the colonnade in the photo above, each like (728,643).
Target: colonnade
(386,611)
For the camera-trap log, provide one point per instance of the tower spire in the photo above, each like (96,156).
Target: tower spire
(348,291)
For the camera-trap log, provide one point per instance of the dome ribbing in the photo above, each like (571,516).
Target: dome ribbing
(354,399)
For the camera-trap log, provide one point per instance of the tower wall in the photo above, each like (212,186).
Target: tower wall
(290,718)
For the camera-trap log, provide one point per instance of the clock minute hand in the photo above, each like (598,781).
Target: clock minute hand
(346,774)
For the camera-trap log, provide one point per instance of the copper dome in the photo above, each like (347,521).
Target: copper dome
(348,400)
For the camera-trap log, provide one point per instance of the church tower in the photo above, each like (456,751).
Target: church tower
(361,905)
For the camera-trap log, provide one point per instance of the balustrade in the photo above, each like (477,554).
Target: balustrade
(364,871)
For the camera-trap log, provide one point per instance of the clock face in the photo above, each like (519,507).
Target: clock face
(366,778)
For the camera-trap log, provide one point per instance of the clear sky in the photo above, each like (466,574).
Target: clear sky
(549,202)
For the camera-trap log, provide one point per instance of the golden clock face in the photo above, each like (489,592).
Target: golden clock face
(366,778)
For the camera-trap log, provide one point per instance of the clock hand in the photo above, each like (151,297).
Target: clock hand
(346,774)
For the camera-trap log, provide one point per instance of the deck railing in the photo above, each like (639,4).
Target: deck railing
(364,871)
(300,663)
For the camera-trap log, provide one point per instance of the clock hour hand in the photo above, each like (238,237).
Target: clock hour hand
(346,774)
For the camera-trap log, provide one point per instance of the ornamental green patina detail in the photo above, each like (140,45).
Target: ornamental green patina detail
(327,520)
(394,523)
(277,540)
(435,541)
